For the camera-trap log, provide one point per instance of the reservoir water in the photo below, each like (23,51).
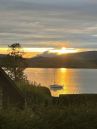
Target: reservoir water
(74,81)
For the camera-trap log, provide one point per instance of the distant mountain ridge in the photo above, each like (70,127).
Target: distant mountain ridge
(2,55)
(87,59)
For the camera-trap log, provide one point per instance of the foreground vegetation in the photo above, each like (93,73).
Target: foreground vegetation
(46,112)
(34,93)
(50,117)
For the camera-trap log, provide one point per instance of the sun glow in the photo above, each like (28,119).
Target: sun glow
(37,49)
(67,50)
(52,50)
(64,51)
(31,52)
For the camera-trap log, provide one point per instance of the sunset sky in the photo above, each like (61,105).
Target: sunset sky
(49,23)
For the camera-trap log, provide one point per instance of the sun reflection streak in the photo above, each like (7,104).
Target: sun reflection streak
(64,77)
(63,70)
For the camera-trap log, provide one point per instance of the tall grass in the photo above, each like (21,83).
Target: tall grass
(50,117)
(34,93)
(68,112)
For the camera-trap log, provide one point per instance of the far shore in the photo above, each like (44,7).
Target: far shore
(64,67)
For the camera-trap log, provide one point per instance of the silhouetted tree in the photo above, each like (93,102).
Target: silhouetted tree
(14,62)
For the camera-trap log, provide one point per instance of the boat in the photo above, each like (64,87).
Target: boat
(55,86)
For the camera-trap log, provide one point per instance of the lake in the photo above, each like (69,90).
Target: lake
(74,81)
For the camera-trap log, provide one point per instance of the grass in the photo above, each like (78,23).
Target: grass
(35,93)
(46,112)
(50,117)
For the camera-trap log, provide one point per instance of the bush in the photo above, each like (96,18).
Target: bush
(34,93)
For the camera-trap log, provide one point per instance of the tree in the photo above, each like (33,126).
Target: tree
(15,63)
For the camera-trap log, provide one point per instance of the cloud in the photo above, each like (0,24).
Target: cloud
(48,23)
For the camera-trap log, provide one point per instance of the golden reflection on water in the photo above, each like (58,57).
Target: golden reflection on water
(62,76)
(65,77)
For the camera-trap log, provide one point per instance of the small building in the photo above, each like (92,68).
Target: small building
(10,95)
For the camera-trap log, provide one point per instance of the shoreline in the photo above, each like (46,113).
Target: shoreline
(62,67)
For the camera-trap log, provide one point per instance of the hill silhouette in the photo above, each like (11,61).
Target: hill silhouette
(86,59)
